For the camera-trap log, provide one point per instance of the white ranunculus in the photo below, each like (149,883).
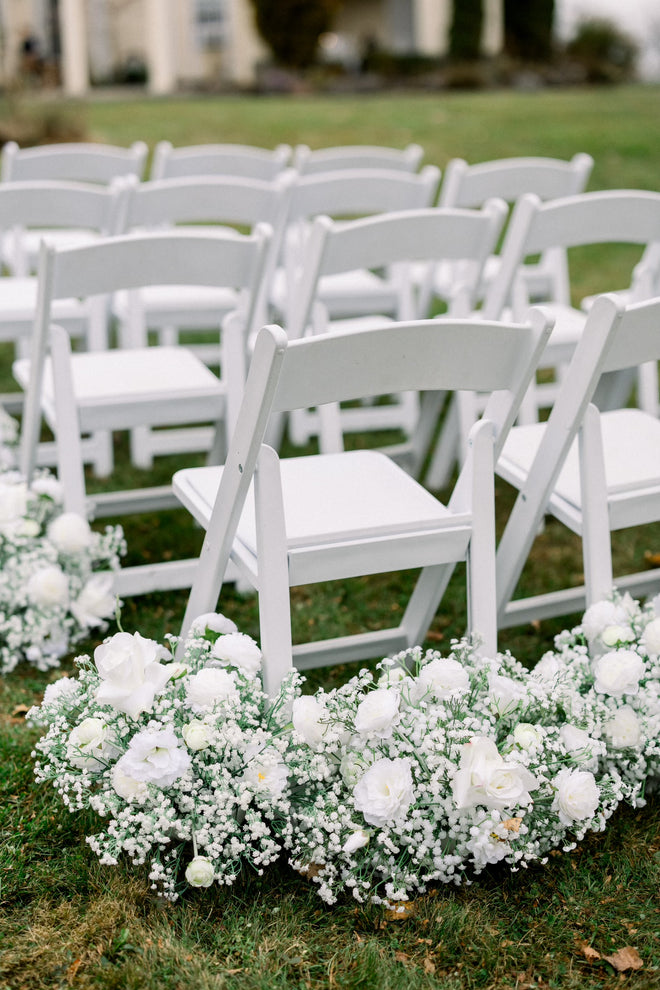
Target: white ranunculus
(505,693)
(577,795)
(154,756)
(308,716)
(70,533)
(131,675)
(624,729)
(265,772)
(651,638)
(611,635)
(90,744)
(579,745)
(214,621)
(196,735)
(378,712)
(618,673)
(96,602)
(528,736)
(355,841)
(443,678)
(239,650)
(48,587)
(210,686)
(200,872)
(485,778)
(600,615)
(385,792)
(128,788)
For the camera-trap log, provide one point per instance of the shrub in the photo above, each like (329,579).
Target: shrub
(605,53)
(292,28)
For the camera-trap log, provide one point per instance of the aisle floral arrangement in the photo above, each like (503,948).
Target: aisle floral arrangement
(56,573)
(427,771)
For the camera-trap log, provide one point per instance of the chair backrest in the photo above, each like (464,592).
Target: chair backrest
(77,162)
(54,203)
(132,262)
(397,238)
(615,337)
(627,216)
(219,159)
(508,178)
(307,161)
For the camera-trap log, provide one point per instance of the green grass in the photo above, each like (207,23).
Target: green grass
(67,922)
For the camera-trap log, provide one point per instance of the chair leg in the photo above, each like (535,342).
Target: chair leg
(596,543)
(481,577)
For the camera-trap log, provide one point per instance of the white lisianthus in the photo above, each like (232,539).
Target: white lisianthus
(200,872)
(378,712)
(90,744)
(70,533)
(239,650)
(308,716)
(265,772)
(96,602)
(196,735)
(210,686)
(599,616)
(131,790)
(624,729)
(485,778)
(154,756)
(611,635)
(618,673)
(356,840)
(385,792)
(505,693)
(577,795)
(443,678)
(131,675)
(48,587)
(214,621)
(579,745)
(651,638)
(528,736)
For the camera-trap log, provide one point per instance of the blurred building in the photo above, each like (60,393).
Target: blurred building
(175,43)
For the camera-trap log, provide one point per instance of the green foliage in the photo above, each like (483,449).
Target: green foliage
(292,28)
(528,29)
(465,31)
(606,53)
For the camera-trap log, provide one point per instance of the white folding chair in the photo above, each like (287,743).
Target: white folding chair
(396,242)
(331,516)
(126,387)
(98,164)
(219,159)
(308,161)
(596,472)
(229,202)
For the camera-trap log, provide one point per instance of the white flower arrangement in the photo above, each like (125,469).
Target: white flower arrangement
(428,771)
(185,760)
(55,573)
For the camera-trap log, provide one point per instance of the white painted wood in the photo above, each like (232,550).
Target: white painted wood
(308,161)
(219,159)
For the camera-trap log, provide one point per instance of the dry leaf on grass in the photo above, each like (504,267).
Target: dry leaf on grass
(652,559)
(428,966)
(401,912)
(401,957)
(20,710)
(626,958)
(589,953)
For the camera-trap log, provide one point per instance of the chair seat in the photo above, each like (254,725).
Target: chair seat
(166,376)
(569,324)
(631,447)
(320,503)
(163,305)
(344,294)
(18,302)
(28,248)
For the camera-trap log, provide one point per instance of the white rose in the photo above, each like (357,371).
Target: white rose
(624,729)
(213,621)
(265,772)
(48,587)
(611,635)
(385,792)
(131,675)
(577,795)
(505,693)
(154,756)
(210,686)
(528,736)
(96,601)
(355,841)
(70,533)
(200,872)
(600,615)
(378,712)
(485,778)
(27,527)
(307,716)
(579,745)
(128,788)
(196,735)
(443,678)
(618,673)
(89,745)
(239,650)
(651,638)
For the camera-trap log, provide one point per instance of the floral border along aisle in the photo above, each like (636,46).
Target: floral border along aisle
(427,772)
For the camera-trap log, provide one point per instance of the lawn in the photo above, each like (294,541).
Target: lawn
(68,922)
